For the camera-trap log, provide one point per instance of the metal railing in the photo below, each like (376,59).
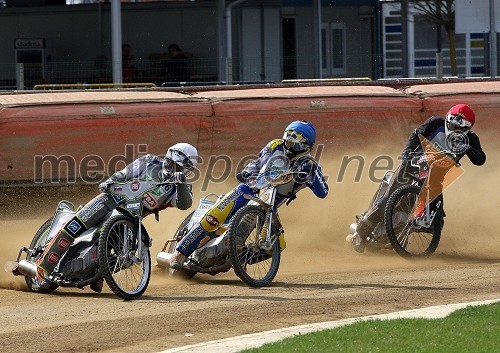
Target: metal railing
(83,86)
(211,71)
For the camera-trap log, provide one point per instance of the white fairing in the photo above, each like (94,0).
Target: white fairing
(63,214)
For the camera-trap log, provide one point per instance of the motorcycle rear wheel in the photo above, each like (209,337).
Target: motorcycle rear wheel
(40,239)
(126,277)
(405,238)
(244,248)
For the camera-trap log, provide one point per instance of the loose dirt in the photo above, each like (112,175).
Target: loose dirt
(320,278)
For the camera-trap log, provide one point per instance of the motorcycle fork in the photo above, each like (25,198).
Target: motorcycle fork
(136,259)
(429,215)
(266,230)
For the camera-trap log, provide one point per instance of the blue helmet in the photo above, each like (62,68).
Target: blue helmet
(299,136)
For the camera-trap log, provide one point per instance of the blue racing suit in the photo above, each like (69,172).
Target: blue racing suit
(227,206)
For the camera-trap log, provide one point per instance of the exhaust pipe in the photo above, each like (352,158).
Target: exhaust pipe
(163,259)
(22,267)
(27,268)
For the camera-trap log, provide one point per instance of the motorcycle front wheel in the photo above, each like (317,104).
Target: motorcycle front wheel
(126,271)
(39,241)
(408,240)
(255,265)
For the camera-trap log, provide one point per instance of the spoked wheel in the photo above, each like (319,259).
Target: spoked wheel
(408,239)
(253,261)
(39,242)
(126,271)
(181,231)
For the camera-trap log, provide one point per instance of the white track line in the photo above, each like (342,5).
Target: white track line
(235,344)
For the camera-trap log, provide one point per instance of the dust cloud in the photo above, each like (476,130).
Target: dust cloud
(315,228)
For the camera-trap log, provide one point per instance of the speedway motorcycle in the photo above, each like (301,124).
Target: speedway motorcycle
(249,241)
(410,236)
(116,250)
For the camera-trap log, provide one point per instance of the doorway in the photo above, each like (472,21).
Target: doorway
(289,49)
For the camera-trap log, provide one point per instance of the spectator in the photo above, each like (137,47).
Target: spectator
(176,66)
(128,69)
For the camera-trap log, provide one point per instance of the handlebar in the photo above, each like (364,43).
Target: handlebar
(432,157)
(285,175)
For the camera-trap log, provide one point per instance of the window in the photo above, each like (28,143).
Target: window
(333,48)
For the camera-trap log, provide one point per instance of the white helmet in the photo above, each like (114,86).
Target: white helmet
(183,155)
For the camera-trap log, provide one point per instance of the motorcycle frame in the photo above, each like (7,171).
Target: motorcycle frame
(423,183)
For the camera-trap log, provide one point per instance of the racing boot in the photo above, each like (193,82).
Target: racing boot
(51,256)
(177,260)
(97,286)
(363,231)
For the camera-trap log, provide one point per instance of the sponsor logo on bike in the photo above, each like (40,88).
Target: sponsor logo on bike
(230,198)
(205,206)
(191,237)
(135,186)
(213,221)
(63,243)
(157,192)
(150,200)
(117,188)
(133,206)
(53,258)
(91,209)
(73,227)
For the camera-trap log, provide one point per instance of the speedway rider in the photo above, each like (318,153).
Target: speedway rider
(180,159)
(451,134)
(296,145)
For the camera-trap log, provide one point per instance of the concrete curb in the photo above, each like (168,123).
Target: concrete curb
(236,344)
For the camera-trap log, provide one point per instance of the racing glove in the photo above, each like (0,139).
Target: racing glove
(104,186)
(243,176)
(178,178)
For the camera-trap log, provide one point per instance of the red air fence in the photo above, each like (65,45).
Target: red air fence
(57,135)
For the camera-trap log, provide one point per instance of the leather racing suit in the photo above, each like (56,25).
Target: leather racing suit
(147,167)
(433,131)
(227,206)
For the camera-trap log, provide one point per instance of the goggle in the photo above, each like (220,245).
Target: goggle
(295,141)
(457,122)
(180,159)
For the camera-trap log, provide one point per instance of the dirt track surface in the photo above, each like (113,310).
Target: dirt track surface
(173,314)
(320,278)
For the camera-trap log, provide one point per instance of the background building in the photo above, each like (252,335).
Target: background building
(225,41)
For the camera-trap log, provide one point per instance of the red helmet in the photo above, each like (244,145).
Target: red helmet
(460,118)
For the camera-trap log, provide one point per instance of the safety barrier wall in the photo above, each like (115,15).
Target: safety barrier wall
(483,97)
(345,117)
(99,131)
(60,140)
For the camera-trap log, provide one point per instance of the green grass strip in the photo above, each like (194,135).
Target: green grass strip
(474,329)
